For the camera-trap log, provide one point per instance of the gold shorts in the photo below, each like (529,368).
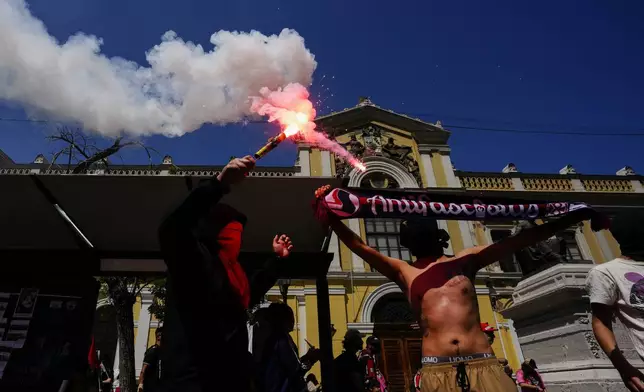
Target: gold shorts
(483,375)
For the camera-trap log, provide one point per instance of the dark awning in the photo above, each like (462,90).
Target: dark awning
(28,220)
(120,215)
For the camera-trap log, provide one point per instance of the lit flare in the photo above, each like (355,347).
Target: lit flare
(293,110)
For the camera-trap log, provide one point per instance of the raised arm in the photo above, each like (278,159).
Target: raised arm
(388,266)
(489,254)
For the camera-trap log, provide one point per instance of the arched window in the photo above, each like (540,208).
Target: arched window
(392,309)
(379,180)
(384,234)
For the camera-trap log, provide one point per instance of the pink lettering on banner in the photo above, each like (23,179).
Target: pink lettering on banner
(477,210)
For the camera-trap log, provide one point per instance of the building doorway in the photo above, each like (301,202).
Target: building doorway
(395,325)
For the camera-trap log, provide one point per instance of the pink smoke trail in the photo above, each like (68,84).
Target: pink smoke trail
(293,110)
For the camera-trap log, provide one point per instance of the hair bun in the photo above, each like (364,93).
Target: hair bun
(443,238)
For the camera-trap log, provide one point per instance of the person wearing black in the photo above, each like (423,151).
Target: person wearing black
(282,370)
(151,369)
(349,374)
(205,347)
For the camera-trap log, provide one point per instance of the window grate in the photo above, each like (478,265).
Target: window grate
(384,236)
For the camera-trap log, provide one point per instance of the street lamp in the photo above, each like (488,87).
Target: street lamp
(283,285)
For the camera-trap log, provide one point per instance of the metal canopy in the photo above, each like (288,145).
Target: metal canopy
(120,216)
(28,220)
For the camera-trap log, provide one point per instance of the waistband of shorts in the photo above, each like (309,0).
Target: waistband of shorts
(433,360)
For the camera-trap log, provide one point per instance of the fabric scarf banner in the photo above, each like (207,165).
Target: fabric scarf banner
(371,203)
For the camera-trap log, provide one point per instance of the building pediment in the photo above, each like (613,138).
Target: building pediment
(339,123)
(377,142)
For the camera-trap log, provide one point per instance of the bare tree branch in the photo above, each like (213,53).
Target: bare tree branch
(101,155)
(55,157)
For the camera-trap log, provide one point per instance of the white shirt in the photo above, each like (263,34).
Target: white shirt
(620,282)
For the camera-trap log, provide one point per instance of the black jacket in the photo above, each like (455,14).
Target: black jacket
(205,340)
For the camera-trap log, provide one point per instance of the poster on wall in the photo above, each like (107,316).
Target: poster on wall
(45,329)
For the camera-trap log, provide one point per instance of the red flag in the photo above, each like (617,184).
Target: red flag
(92,356)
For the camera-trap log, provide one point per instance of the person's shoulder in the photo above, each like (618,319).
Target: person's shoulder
(609,266)
(152,349)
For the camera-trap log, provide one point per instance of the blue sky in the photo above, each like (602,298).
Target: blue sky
(549,65)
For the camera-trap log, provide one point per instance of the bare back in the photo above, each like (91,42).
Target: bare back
(443,296)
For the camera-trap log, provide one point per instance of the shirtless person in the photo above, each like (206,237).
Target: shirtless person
(456,354)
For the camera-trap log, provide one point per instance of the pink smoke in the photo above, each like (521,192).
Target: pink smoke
(293,110)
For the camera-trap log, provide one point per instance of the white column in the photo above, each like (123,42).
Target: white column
(467,232)
(496,321)
(250,327)
(357,264)
(334,247)
(583,245)
(637,186)
(515,341)
(305,162)
(326,163)
(517,184)
(603,244)
(301,317)
(577,185)
(452,181)
(117,361)
(430,178)
(143,330)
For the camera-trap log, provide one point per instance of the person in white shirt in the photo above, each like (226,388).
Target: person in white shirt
(617,288)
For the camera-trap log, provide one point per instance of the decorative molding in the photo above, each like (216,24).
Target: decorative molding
(372,146)
(557,277)
(547,184)
(429,148)
(488,183)
(383,165)
(377,294)
(559,331)
(365,328)
(302,292)
(510,168)
(626,171)
(568,169)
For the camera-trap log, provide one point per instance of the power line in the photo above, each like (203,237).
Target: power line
(468,128)
(541,132)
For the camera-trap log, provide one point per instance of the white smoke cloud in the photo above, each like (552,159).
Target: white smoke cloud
(183,88)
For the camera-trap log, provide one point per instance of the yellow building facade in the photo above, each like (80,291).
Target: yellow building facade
(402,152)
